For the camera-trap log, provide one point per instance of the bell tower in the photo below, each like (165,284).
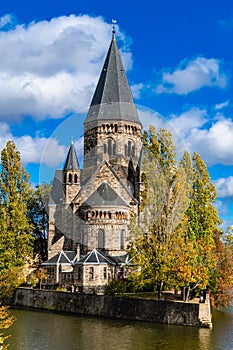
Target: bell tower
(71,175)
(112,129)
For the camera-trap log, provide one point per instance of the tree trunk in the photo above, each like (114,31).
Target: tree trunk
(160,290)
(187,294)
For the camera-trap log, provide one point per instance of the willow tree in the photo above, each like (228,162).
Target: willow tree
(15,229)
(164,201)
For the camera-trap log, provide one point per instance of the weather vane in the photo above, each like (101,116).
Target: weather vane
(114,21)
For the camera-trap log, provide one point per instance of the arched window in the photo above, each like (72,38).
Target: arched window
(110,147)
(101,239)
(122,239)
(130,149)
(75,178)
(70,177)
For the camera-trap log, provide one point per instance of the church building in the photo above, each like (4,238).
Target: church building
(90,208)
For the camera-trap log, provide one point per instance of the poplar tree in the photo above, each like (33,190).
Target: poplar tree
(15,229)
(195,257)
(164,201)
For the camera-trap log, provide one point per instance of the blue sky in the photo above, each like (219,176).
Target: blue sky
(179,62)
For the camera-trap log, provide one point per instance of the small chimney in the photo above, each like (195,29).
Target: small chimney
(78,251)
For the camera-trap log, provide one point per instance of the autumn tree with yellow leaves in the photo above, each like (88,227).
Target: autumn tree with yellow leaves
(174,244)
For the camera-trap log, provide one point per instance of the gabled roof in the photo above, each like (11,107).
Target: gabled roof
(112,99)
(104,196)
(95,257)
(71,162)
(64,258)
(91,180)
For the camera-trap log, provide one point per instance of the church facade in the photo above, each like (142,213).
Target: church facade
(90,208)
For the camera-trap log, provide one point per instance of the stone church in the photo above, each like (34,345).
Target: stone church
(90,208)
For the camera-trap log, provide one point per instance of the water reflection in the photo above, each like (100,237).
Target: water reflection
(46,331)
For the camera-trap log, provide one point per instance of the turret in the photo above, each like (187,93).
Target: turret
(71,175)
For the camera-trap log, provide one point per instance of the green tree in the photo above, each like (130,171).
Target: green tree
(196,258)
(38,214)
(222,281)
(164,201)
(15,229)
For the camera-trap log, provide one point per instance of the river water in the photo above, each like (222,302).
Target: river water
(46,331)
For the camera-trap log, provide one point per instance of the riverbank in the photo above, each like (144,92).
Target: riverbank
(159,311)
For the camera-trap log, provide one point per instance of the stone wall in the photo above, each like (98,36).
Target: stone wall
(159,311)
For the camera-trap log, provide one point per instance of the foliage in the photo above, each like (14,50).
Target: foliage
(38,214)
(15,191)
(222,282)
(174,243)
(6,320)
(37,276)
(15,229)
(116,287)
(164,201)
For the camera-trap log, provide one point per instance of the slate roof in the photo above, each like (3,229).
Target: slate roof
(112,99)
(57,194)
(64,257)
(104,196)
(71,162)
(95,257)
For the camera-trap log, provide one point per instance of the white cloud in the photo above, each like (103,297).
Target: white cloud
(192,119)
(193,131)
(193,75)
(222,105)
(214,144)
(4,20)
(224,187)
(136,90)
(50,68)
(31,149)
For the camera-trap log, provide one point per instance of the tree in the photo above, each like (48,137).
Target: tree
(15,229)
(6,320)
(38,214)
(196,258)
(164,201)
(222,281)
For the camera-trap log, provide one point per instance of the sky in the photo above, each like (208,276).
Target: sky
(178,56)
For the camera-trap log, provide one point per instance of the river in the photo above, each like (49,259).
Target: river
(35,330)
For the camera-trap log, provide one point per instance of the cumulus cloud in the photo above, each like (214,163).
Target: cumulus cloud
(196,131)
(31,149)
(193,75)
(51,68)
(224,187)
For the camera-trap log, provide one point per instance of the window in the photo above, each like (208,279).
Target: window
(101,239)
(91,273)
(76,178)
(70,177)
(122,239)
(105,275)
(130,150)
(79,273)
(110,147)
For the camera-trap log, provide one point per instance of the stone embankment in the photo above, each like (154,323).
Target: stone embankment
(160,311)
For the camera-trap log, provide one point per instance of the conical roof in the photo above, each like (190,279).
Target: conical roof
(112,99)
(71,162)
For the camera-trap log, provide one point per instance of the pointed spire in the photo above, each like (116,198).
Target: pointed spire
(112,99)
(71,162)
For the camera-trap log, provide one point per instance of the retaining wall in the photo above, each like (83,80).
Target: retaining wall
(160,311)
